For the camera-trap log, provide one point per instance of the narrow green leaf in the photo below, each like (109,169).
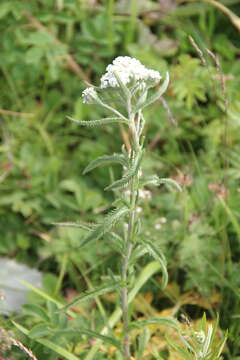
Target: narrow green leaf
(73,225)
(93,334)
(106,160)
(38,331)
(88,295)
(108,223)
(158,93)
(167,321)
(147,272)
(156,181)
(186,355)
(105,121)
(116,241)
(50,345)
(143,341)
(47,297)
(156,253)
(129,175)
(170,182)
(36,311)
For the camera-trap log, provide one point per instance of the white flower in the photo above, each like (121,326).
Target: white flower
(144,194)
(89,96)
(130,71)
(158,226)
(139,210)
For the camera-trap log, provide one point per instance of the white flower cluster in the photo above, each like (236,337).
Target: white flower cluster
(89,95)
(130,71)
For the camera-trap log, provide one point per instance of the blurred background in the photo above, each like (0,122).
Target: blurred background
(49,49)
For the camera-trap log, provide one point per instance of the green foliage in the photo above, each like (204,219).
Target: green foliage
(42,155)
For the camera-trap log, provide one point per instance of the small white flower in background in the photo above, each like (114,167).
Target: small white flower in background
(160,221)
(130,71)
(144,194)
(89,95)
(139,209)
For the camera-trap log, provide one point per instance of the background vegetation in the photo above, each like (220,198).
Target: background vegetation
(48,49)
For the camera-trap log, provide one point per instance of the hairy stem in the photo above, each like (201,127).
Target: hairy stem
(129,246)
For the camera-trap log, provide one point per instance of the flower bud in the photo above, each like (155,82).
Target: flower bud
(89,96)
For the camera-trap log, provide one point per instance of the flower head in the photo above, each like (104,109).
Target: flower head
(89,95)
(130,71)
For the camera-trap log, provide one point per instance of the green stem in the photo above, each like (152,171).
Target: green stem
(128,248)
(147,272)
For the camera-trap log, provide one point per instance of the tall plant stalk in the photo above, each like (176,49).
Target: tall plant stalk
(129,243)
(130,87)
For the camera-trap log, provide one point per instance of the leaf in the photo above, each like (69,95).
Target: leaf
(36,311)
(143,341)
(124,88)
(147,272)
(106,225)
(46,296)
(116,241)
(129,174)
(156,94)
(73,225)
(56,348)
(156,181)
(105,160)
(106,121)
(93,334)
(170,182)
(156,253)
(39,330)
(179,350)
(167,321)
(88,295)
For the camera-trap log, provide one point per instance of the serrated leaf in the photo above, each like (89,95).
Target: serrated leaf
(38,331)
(156,181)
(73,225)
(157,254)
(170,182)
(116,240)
(88,295)
(129,174)
(93,334)
(36,311)
(106,160)
(167,321)
(105,121)
(109,221)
